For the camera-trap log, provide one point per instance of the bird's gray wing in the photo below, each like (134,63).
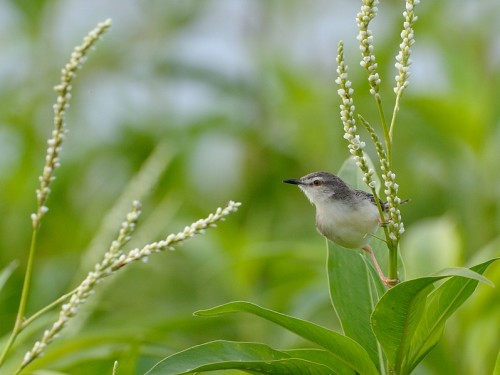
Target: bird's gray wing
(365,195)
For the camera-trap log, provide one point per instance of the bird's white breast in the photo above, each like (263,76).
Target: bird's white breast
(348,225)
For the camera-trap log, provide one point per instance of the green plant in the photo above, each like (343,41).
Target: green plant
(115,258)
(384,331)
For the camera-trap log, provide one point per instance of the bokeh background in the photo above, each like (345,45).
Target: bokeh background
(186,104)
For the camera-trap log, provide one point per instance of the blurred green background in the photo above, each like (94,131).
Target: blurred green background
(187,104)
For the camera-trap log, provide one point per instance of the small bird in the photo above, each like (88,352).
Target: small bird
(344,215)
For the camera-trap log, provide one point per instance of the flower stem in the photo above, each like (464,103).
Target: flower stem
(42,311)
(19,324)
(51,163)
(393,265)
(387,130)
(394,115)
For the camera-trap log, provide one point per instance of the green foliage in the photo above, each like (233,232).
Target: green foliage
(354,291)
(408,321)
(346,355)
(268,99)
(251,357)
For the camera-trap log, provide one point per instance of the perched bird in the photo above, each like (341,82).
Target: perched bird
(344,215)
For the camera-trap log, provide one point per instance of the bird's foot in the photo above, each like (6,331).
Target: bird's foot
(389,283)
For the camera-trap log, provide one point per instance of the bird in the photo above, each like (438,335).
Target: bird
(345,216)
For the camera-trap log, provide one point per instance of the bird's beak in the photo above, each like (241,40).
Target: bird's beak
(294,181)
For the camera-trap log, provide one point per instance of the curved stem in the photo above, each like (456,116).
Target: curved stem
(394,115)
(385,128)
(42,311)
(19,324)
(26,322)
(393,245)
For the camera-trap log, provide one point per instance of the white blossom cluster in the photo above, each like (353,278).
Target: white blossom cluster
(347,108)
(403,60)
(169,243)
(115,259)
(365,37)
(85,289)
(396,227)
(63,90)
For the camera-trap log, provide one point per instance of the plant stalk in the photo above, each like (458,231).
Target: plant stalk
(393,264)
(19,324)
(387,131)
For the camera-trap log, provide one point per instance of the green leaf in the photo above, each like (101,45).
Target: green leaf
(314,355)
(408,320)
(350,356)
(354,291)
(397,314)
(441,304)
(225,355)
(466,272)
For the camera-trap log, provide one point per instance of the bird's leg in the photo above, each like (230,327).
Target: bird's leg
(387,282)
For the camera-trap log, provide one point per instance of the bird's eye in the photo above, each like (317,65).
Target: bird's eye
(316,182)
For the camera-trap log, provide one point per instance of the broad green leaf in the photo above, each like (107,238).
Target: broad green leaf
(399,315)
(441,304)
(354,291)
(350,356)
(471,273)
(225,355)
(314,355)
